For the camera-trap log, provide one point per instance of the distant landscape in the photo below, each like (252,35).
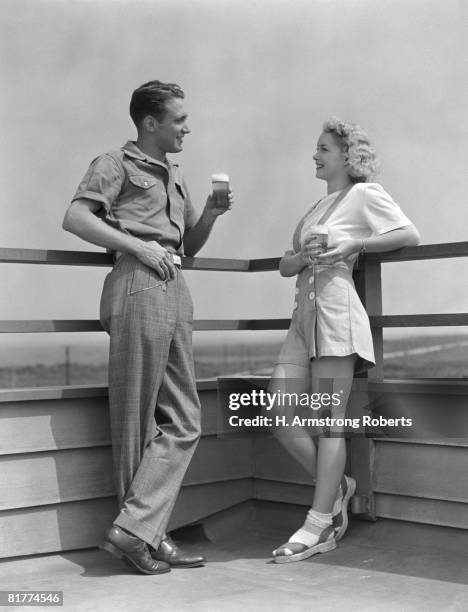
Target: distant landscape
(442,356)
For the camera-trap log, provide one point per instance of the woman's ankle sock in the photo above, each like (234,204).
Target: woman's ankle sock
(313,526)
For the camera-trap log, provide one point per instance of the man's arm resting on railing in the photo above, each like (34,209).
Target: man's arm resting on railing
(81,219)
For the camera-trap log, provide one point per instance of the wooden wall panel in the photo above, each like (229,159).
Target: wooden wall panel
(421,470)
(435,413)
(67,422)
(196,502)
(270,490)
(417,510)
(52,424)
(57,527)
(36,479)
(81,524)
(218,459)
(55,465)
(273,462)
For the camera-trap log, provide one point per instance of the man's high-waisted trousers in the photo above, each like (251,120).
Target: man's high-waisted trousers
(154,406)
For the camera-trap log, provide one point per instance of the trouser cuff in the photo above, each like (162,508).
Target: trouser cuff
(141,530)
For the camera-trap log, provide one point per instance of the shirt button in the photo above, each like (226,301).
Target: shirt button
(295,306)
(311,295)
(145,183)
(311,280)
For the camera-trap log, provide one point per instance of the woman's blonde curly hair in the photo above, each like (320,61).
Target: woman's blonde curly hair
(362,161)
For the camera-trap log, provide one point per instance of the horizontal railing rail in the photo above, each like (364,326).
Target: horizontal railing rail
(424,251)
(91,258)
(95,258)
(368,283)
(28,326)
(90,325)
(454,319)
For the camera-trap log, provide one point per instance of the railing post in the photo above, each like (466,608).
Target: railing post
(367,278)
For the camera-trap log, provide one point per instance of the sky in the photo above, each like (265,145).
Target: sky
(261,77)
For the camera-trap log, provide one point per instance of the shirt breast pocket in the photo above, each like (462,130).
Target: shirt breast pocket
(143,181)
(146,194)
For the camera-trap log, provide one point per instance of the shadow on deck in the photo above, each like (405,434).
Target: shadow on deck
(388,565)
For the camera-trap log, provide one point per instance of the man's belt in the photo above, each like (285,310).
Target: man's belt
(176,260)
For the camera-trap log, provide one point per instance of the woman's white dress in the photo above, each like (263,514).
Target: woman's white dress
(328,317)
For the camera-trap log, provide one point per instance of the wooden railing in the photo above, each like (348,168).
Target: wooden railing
(367,277)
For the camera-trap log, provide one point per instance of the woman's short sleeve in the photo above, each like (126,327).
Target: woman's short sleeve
(382,214)
(102,182)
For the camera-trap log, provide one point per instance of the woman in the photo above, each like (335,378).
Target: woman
(329,338)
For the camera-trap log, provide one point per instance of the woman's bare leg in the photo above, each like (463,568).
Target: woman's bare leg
(289,378)
(331,375)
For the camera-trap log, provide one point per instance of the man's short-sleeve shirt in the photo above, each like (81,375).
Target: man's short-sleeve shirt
(140,195)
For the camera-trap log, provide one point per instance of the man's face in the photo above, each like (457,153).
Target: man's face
(170,130)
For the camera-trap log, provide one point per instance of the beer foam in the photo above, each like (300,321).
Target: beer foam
(221,177)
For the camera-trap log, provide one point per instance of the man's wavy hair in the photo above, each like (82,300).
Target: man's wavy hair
(150,99)
(362,161)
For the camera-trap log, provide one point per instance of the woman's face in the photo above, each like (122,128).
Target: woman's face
(330,160)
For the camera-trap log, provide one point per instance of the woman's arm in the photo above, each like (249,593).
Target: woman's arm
(395,239)
(390,241)
(292,263)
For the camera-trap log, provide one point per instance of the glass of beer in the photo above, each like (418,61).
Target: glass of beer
(220,184)
(317,235)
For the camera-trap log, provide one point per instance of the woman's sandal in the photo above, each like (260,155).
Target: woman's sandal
(340,518)
(295,551)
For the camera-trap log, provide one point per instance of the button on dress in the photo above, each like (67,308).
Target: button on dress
(329,320)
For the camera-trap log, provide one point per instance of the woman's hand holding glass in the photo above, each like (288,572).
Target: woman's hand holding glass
(340,252)
(310,251)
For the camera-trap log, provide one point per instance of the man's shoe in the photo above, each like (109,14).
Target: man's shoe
(340,508)
(133,551)
(169,552)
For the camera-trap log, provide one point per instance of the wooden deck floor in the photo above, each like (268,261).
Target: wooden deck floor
(382,566)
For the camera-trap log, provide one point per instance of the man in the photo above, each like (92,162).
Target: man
(135,203)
